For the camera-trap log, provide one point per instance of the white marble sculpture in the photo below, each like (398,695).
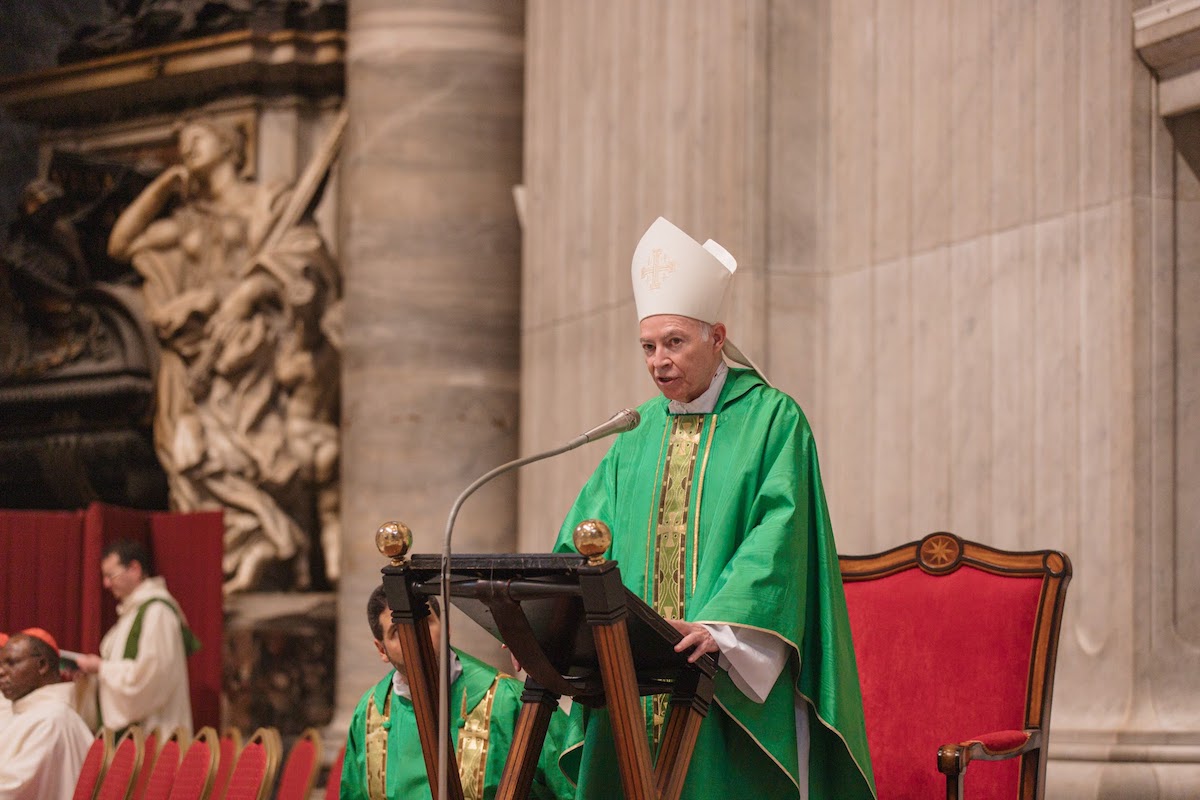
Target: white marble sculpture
(245,301)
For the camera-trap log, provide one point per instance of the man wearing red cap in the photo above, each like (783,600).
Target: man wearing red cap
(44,741)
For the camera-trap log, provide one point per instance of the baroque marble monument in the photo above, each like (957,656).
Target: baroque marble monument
(245,303)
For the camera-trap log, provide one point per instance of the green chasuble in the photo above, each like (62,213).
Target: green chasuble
(724,514)
(470,693)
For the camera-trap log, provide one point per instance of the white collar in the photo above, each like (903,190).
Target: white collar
(705,403)
(48,694)
(400,683)
(154,586)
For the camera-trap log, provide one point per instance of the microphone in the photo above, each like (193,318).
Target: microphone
(624,420)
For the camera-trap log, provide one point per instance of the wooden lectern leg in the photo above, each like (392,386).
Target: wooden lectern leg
(417,647)
(526,749)
(689,705)
(624,710)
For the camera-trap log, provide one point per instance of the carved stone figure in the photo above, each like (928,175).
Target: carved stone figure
(247,393)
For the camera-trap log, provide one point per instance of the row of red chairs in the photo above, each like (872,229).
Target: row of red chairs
(207,767)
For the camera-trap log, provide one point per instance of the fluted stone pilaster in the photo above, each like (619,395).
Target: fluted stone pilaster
(432,261)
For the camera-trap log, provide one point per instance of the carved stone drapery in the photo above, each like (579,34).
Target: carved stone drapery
(246,307)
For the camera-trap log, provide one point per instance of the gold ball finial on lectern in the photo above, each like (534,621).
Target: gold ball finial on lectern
(592,537)
(393,540)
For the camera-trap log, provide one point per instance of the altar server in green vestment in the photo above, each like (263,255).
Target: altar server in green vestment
(383,749)
(719,523)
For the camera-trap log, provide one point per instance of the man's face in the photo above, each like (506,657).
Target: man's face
(679,360)
(389,648)
(21,669)
(118,578)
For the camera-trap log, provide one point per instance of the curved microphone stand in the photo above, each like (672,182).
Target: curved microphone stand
(624,420)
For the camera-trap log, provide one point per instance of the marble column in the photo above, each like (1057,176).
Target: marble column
(432,262)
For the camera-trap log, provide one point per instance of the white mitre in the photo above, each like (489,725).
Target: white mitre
(674,274)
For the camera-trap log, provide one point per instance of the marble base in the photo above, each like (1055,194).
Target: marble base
(279,661)
(1085,780)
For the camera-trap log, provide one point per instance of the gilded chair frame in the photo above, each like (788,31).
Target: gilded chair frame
(133,734)
(107,749)
(273,748)
(208,737)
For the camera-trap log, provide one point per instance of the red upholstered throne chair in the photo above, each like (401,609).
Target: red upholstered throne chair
(956,644)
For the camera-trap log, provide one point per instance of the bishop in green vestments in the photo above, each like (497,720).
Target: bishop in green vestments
(719,522)
(383,749)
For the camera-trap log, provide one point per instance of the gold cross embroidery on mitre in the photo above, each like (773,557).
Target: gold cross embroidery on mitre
(660,265)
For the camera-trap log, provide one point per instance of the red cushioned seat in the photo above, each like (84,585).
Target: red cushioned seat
(253,774)
(95,763)
(194,779)
(955,644)
(150,750)
(231,745)
(161,776)
(117,783)
(333,786)
(300,769)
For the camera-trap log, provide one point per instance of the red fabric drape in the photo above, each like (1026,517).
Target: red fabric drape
(188,550)
(41,556)
(102,525)
(50,578)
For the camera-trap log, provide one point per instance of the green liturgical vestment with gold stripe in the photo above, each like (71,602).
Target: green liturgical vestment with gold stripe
(721,518)
(383,747)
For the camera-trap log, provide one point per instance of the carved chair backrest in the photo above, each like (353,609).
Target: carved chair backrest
(954,640)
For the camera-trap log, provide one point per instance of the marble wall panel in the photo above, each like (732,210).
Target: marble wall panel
(581,380)
(1014,352)
(971,392)
(892,406)
(1170,590)
(1185,615)
(1011,158)
(633,110)
(970,118)
(852,37)
(1055,107)
(797,227)
(797,308)
(1055,253)
(849,426)
(928,95)
(947,220)
(893,132)
(933,340)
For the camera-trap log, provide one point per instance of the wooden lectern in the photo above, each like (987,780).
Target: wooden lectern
(577,632)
